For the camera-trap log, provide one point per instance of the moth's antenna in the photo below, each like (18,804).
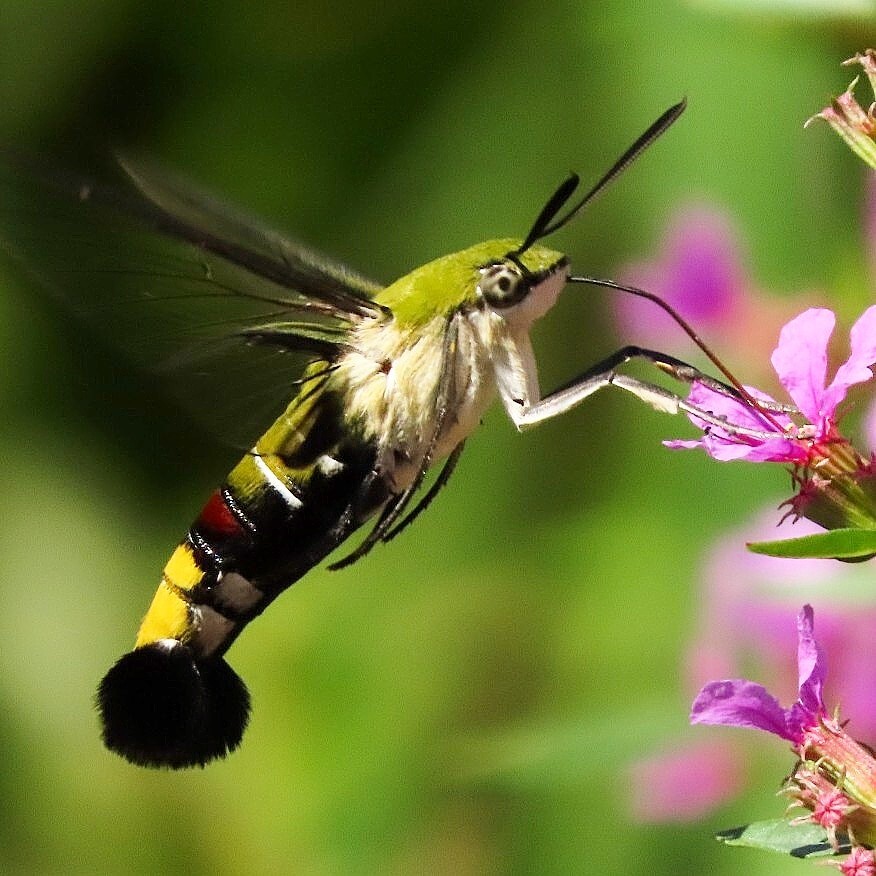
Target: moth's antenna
(543,225)
(549,210)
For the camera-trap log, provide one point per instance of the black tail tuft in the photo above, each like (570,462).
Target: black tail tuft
(160,707)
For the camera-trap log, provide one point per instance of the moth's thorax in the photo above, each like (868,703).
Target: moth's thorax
(390,375)
(389,380)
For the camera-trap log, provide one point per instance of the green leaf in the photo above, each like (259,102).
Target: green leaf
(833,544)
(799,840)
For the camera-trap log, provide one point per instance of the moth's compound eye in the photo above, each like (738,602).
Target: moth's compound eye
(502,284)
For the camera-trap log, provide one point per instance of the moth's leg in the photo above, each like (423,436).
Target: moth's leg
(605,374)
(668,402)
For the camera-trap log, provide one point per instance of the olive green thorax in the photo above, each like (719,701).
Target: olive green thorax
(450,282)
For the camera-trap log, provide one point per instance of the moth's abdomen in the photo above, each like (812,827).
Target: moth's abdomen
(162,707)
(203,599)
(174,701)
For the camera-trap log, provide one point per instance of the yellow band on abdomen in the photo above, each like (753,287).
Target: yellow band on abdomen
(170,616)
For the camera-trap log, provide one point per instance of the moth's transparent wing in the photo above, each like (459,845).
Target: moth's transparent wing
(243,239)
(142,279)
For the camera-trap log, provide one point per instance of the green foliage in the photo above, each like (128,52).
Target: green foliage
(779,835)
(839,544)
(553,583)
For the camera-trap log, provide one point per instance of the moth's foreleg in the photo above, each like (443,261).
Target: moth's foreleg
(605,374)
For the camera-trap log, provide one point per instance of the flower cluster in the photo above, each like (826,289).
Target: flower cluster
(849,119)
(836,486)
(835,776)
(833,783)
(746,605)
(835,483)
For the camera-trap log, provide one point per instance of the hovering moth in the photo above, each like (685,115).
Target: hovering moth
(394,380)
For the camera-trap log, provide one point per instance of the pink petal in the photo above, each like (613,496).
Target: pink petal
(698,271)
(721,449)
(727,446)
(861,862)
(686,784)
(772,450)
(869,426)
(811,666)
(849,636)
(724,450)
(733,410)
(800,360)
(679,444)
(857,368)
(740,703)
(704,275)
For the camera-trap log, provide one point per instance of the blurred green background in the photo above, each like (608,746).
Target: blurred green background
(466,699)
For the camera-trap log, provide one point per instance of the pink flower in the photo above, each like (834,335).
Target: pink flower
(831,808)
(681,785)
(800,361)
(743,703)
(702,272)
(748,604)
(861,862)
(748,608)
(699,272)
(849,119)
(829,760)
